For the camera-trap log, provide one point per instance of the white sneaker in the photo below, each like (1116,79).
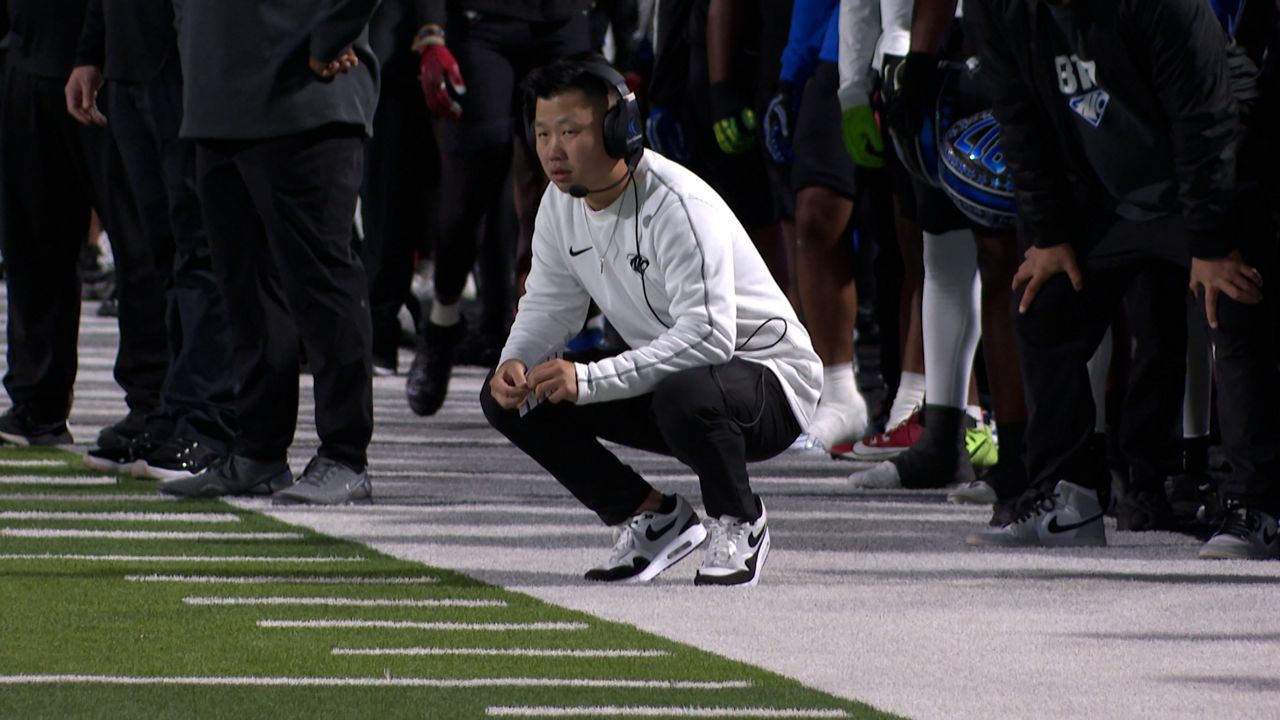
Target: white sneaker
(736,551)
(1070,517)
(650,542)
(975,492)
(807,444)
(1246,534)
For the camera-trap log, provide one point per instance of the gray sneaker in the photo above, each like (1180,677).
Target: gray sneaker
(326,482)
(1246,534)
(1070,517)
(232,475)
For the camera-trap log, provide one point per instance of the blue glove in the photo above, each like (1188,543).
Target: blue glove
(779,124)
(665,134)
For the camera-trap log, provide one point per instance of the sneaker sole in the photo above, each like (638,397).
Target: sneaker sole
(107,466)
(144,470)
(680,548)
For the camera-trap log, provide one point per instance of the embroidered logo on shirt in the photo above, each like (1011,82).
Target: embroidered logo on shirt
(1091,106)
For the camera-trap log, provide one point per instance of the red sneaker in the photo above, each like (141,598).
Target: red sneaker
(885,445)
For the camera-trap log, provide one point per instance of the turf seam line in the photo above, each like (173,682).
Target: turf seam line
(184,558)
(281,580)
(58,533)
(343,602)
(660,711)
(176,517)
(374,682)
(500,652)
(423,625)
(69,480)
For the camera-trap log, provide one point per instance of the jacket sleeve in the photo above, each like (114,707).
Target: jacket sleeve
(430,12)
(1042,185)
(859,31)
(694,264)
(804,41)
(1187,56)
(92,49)
(554,305)
(339,26)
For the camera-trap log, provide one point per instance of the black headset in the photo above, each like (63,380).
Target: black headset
(623,129)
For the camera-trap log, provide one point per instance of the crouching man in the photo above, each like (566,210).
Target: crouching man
(720,371)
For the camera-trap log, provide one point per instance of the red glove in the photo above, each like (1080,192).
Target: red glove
(436,66)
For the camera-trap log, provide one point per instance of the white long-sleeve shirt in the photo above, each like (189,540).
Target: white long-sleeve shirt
(869,30)
(710,295)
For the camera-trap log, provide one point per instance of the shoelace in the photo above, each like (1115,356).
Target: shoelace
(626,539)
(1035,506)
(725,537)
(1240,522)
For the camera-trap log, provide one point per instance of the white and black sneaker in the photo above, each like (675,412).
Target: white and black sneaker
(1246,534)
(650,542)
(736,550)
(1069,517)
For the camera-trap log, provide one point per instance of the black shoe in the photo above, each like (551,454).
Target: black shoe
(123,431)
(428,380)
(18,427)
(178,458)
(123,459)
(232,475)
(939,458)
(1193,499)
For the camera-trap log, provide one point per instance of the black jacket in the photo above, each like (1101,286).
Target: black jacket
(245,72)
(437,11)
(1166,58)
(43,36)
(129,40)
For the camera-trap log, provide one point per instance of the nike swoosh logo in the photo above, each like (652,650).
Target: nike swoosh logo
(1055,528)
(1268,539)
(576,253)
(754,539)
(652,534)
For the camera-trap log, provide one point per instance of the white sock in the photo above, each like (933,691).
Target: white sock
(910,398)
(975,412)
(949,316)
(1099,366)
(842,413)
(445,315)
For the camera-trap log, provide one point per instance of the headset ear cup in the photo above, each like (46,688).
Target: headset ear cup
(612,146)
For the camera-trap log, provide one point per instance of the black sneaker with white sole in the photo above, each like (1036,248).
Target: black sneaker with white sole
(178,458)
(736,550)
(125,459)
(650,542)
(19,427)
(232,475)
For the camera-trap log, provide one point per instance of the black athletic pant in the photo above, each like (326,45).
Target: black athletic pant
(52,172)
(494,54)
(400,201)
(198,400)
(714,419)
(278,214)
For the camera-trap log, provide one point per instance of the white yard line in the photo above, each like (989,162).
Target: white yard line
(52,533)
(184,558)
(501,652)
(660,711)
(120,516)
(420,625)
(281,580)
(85,497)
(251,681)
(32,463)
(342,602)
(68,480)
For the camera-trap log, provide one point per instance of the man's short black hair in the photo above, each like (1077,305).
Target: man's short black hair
(566,75)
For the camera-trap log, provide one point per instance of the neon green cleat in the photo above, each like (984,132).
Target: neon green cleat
(980,441)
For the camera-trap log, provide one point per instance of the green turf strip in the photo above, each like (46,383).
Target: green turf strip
(84,618)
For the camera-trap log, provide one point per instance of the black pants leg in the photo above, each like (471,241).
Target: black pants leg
(54,171)
(400,199)
(1151,421)
(284,258)
(1247,370)
(198,397)
(714,420)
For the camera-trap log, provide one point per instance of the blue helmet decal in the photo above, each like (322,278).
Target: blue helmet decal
(974,174)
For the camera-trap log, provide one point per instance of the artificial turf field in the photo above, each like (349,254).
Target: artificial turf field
(120,604)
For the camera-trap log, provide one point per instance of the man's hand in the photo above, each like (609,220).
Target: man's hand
(779,124)
(1040,265)
(82,95)
(733,124)
(435,66)
(912,90)
(862,138)
(340,65)
(508,385)
(1229,275)
(554,381)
